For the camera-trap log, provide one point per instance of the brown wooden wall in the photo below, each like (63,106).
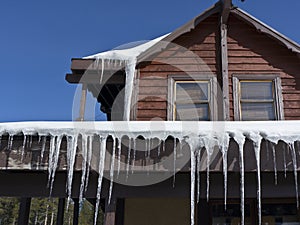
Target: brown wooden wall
(153,83)
(249,52)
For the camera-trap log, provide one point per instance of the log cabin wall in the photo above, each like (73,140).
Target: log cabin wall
(249,52)
(153,79)
(254,53)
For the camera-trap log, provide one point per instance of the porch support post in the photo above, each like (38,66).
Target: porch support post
(24,210)
(76,211)
(110,212)
(82,102)
(60,212)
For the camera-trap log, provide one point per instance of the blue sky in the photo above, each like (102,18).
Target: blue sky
(39,38)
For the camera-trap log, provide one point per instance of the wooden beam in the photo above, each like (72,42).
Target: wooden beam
(226,10)
(224,68)
(116,78)
(60,211)
(24,211)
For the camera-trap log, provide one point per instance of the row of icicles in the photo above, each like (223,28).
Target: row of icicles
(196,144)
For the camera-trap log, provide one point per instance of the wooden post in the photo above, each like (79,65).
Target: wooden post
(24,211)
(82,102)
(76,211)
(110,212)
(224,66)
(60,211)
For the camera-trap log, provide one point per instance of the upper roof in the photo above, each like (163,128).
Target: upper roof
(147,49)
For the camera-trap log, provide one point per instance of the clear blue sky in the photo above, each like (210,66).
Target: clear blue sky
(39,38)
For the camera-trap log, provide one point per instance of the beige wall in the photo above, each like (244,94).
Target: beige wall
(157,211)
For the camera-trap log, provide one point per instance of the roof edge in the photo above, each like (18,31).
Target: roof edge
(266,29)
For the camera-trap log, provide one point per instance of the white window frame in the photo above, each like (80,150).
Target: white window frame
(212,101)
(278,100)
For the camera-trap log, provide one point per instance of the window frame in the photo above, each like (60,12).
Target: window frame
(212,81)
(274,78)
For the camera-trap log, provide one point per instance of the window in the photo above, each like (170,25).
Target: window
(257,97)
(191,99)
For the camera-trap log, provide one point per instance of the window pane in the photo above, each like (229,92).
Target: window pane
(283,213)
(232,215)
(193,112)
(256,90)
(257,111)
(186,91)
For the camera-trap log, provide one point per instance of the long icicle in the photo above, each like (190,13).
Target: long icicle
(193,171)
(50,160)
(240,140)
(55,160)
(224,150)
(128,158)
(100,178)
(174,161)
(198,173)
(256,144)
(294,158)
(119,155)
(84,146)
(111,173)
(89,159)
(274,162)
(71,153)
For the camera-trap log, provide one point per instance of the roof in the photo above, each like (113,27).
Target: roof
(147,49)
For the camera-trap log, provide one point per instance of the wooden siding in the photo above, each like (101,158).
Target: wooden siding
(152,99)
(250,52)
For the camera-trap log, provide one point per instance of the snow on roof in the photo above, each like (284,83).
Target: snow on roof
(128,53)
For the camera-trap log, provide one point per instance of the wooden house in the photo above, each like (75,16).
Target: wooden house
(223,65)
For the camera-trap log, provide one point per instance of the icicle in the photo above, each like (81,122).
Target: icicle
(224,150)
(43,147)
(134,155)
(294,158)
(174,161)
(147,148)
(89,158)
(23,148)
(163,146)
(71,153)
(84,143)
(158,149)
(9,142)
(55,160)
(50,160)
(240,140)
(198,173)
(128,158)
(274,162)
(207,170)
(39,139)
(193,171)
(100,172)
(111,173)
(30,142)
(130,71)
(119,154)
(102,70)
(256,144)
(284,160)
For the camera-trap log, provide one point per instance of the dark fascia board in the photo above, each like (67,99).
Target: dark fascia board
(263,28)
(216,8)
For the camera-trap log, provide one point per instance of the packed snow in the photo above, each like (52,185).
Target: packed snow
(198,135)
